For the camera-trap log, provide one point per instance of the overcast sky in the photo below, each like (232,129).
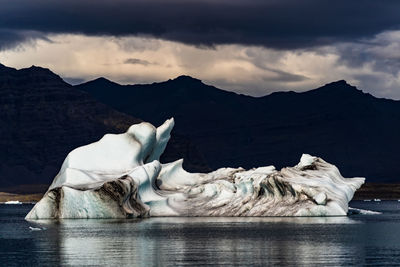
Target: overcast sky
(248,46)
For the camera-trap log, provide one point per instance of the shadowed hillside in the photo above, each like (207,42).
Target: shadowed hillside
(43,118)
(356,131)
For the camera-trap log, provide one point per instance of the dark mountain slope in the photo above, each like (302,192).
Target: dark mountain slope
(354,130)
(42,118)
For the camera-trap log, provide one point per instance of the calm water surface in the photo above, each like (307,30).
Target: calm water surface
(355,240)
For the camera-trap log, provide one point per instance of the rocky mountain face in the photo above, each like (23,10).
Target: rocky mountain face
(355,131)
(43,118)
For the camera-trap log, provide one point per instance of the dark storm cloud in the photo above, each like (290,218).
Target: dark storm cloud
(137,61)
(283,76)
(382,54)
(10,38)
(279,24)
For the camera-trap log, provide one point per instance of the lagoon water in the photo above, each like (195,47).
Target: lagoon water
(354,240)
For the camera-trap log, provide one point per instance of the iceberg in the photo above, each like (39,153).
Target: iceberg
(120,176)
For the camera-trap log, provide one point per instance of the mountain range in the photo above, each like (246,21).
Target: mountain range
(43,118)
(354,130)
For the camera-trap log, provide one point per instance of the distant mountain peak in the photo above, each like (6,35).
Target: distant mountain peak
(5,68)
(40,70)
(32,76)
(32,68)
(186,79)
(337,88)
(102,81)
(339,83)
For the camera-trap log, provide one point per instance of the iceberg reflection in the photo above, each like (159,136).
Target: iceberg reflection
(242,241)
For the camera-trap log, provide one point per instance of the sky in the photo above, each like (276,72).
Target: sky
(252,47)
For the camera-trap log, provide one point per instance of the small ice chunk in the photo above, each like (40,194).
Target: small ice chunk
(36,228)
(353,211)
(320,198)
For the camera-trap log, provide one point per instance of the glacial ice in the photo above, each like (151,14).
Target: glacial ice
(120,176)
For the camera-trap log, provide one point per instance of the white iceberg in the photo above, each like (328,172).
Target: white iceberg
(120,176)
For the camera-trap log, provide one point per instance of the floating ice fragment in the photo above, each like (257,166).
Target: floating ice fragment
(13,202)
(35,228)
(353,211)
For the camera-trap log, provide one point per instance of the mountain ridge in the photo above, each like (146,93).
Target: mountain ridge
(326,86)
(214,128)
(336,121)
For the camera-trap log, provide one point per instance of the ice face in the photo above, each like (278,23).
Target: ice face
(120,176)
